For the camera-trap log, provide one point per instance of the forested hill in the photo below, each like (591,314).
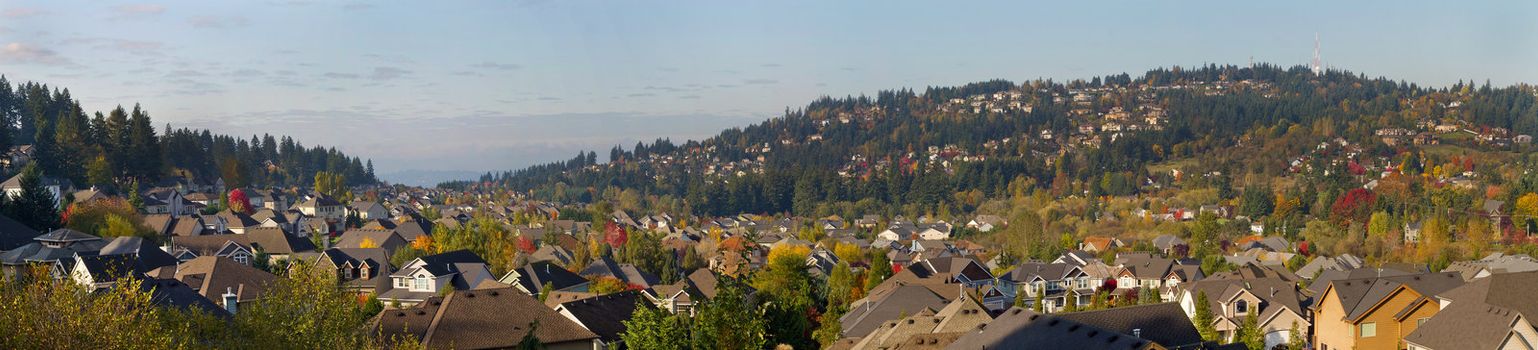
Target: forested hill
(122,146)
(941,149)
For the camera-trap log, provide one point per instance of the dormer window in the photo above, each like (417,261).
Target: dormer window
(1241,307)
(421,284)
(241,258)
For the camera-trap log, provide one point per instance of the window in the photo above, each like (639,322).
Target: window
(1421,322)
(401,283)
(241,258)
(1241,307)
(421,283)
(1369,329)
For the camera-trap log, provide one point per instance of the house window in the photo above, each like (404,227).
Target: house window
(401,283)
(1421,322)
(1241,307)
(1369,329)
(346,273)
(421,283)
(241,258)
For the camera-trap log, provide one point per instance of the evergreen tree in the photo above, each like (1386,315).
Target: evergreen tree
(1250,334)
(35,206)
(1203,318)
(1071,301)
(1295,338)
(1039,304)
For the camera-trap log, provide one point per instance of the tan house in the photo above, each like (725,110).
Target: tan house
(1277,304)
(1488,313)
(1377,313)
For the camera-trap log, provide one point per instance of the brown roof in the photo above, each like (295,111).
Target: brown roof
(483,319)
(1481,313)
(212,276)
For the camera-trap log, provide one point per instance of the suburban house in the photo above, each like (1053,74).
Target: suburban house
(1051,282)
(604,315)
(1278,305)
(986,223)
(627,273)
(532,278)
(322,207)
(219,279)
(424,277)
(1096,244)
(1151,326)
(680,297)
(962,315)
(497,318)
(367,210)
(55,249)
(358,270)
(56,187)
(1493,312)
(1377,312)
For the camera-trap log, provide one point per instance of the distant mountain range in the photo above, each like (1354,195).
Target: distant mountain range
(420,177)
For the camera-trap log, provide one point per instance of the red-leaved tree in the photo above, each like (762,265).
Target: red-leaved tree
(239,203)
(615,235)
(1354,205)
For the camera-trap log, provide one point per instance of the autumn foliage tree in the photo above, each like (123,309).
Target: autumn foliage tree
(239,202)
(1354,205)
(615,235)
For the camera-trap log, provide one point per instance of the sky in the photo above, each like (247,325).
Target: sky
(437,89)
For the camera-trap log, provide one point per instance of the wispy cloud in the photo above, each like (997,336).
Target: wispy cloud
(137,10)
(760,81)
(217,22)
(388,73)
(22,12)
(19,53)
(497,66)
(338,75)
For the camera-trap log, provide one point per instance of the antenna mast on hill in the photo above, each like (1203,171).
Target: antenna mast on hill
(1317,68)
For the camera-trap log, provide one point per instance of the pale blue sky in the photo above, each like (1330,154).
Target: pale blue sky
(482,85)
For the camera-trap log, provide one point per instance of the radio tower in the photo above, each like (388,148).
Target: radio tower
(1317,68)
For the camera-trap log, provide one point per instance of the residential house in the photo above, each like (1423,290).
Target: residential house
(1096,244)
(1493,264)
(1153,326)
(214,277)
(55,249)
(424,277)
(359,270)
(363,238)
(1377,312)
(1493,312)
(965,314)
(882,305)
(498,318)
(1343,262)
(1051,282)
(1167,244)
(367,210)
(606,267)
(680,297)
(1277,303)
(533,277)
(56,187)
(604,315)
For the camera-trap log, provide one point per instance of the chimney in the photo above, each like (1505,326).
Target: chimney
(1137,332)
(231,301)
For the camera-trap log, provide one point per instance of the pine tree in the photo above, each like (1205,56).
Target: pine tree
(1203,318)
(1295,339)
(1071,302)
(1039,305)
(35,206)
(1250,334)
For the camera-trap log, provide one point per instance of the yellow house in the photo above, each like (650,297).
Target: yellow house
(1378,312)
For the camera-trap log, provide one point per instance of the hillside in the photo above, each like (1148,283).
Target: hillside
(946,149)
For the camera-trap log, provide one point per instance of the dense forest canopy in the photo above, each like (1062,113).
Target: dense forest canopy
(122,146)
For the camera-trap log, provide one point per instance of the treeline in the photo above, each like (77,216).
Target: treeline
(121,146)
(897,127)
